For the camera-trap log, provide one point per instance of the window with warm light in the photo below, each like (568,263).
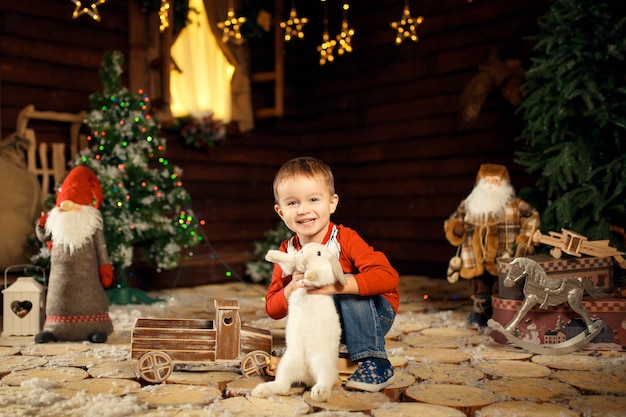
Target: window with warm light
(200,83)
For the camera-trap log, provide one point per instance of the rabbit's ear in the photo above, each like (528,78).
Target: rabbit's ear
(285,260)
(337,271)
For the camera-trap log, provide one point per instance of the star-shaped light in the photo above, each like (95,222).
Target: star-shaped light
(344,39)
(231,27)
(406,25)
(293,25)
(164,15)
(326,49)
(91,10)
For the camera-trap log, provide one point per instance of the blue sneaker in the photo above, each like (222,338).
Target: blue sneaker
(371,376)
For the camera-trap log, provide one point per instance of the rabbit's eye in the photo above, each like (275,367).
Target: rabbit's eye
(319,253)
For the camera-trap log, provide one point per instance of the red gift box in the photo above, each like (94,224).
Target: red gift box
(559,323)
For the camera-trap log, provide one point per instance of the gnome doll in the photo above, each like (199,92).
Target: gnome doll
(76,304)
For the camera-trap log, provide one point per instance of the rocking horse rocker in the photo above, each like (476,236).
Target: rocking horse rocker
(545,291)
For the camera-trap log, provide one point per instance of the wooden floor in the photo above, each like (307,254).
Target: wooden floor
(443,368)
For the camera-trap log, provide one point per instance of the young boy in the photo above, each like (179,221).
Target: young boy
(304,193)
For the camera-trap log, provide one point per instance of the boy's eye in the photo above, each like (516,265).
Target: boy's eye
(314,199)
(292,203)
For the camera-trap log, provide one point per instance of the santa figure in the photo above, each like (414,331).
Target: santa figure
(76,304)
(490,223)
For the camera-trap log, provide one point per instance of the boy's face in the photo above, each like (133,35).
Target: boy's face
(305,205)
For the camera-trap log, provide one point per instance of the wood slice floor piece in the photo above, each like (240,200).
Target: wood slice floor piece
(572,362)
(402,326)
(444,373)
(174,394)
(244,386)
(531,389)
(118,370)
(463,398)
(392,346)
(9,350)
(496,353)
(398,362)
(593,382)
(599,405)
(278,406)
(424,341)
(449,332)
(437,355)
(78,360)
(344,400)
(19,362)
(514,369)
(53,348)
(93,386)
(63,374)
(401,381)
(217,379)
(399,409)
(525,409)
(191,413)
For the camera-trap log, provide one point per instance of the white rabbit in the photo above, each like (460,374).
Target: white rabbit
(313,330)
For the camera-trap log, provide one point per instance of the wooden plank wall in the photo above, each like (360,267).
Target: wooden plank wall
(384,117)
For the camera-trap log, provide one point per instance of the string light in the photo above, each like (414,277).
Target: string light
(327,46)
(406,25)
(91,11)
(164,15)
(293,25)
(344,39)
(231,26)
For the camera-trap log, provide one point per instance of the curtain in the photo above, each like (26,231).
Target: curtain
(201,81)
(239,56)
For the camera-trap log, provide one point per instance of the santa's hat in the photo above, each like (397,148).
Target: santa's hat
(82,187)
(493,170)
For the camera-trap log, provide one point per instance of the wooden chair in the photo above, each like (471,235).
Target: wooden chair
(43,167)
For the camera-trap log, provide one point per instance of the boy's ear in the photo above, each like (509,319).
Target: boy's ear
(334,201)
(278,210)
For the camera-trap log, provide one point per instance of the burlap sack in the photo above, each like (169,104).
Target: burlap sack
(20,206)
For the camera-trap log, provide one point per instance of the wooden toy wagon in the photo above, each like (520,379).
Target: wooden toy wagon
(161,345)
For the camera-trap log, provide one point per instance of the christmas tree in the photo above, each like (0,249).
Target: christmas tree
(575,109)
(145,206)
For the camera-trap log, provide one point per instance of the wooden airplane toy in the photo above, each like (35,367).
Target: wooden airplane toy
(577,245)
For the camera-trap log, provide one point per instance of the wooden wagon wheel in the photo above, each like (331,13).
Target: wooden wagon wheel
(255,363)
(155,367)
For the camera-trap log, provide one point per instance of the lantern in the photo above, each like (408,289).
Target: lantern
(24,307)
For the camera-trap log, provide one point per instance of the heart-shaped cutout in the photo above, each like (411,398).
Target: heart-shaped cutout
(21,308)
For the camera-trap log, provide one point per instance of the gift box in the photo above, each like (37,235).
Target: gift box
(559,323)
(598,270)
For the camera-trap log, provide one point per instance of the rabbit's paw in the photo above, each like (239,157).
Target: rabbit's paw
(263,390)
(311,275)
(320,393)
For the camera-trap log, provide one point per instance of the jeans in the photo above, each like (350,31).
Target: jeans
(364,323)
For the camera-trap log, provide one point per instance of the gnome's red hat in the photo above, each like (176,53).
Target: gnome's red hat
(82,187)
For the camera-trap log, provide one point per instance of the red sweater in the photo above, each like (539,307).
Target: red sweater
(372,271)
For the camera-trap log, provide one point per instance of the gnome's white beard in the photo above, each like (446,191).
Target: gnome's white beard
(73,229)
(488,200)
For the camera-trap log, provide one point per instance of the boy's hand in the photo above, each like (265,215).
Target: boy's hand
(295,283)
(351,288)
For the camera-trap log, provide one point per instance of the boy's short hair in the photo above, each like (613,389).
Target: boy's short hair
(305,166)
